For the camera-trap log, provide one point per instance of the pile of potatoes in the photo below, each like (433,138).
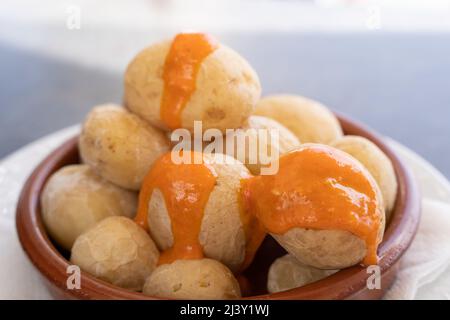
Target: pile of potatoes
(88,208)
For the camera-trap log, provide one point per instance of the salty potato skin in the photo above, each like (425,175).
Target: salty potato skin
(221,235)
(193,279)
(376,162)
(118,251)
(323,249)
(287,273)
(331,249)
(75,198)
(286,140)
(327,249)
(227,88)
(309,120)
(120,146)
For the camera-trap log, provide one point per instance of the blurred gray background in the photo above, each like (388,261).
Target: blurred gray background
(382,65)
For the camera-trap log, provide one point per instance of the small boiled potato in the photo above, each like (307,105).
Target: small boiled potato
(285,141)
(227,88)
(75,198)
(330,249)
(326,249)
(222,236)
(120,146)
(287,273)
(192,279)
(378,164)
(304,187)
(118,251)
(323,249)
(309,120)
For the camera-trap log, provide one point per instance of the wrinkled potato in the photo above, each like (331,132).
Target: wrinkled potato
(309,120)
(227,88)
(287,273)
(119,146)
(118,251)
(323,249)
(378,164)
(192,279)
(285,142)
(326,249)
(75,198)
(222,236)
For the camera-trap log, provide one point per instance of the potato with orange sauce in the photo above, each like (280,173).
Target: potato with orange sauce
(192,77)
(193,279)
(323,249)
(378,164)
(322,206)
(120,146)
(195,210)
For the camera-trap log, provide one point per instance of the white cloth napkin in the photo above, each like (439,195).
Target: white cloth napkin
(425,267)
(428,257)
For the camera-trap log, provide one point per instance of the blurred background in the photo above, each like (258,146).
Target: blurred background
(386,62)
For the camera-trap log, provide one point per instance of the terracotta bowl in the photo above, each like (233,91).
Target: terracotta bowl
(349,283)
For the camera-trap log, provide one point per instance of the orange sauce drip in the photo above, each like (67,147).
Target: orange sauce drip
(253,229)
(317,187)
(186,189)
(181,66)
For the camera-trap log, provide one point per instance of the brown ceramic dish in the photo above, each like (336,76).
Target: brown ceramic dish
(349,283)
